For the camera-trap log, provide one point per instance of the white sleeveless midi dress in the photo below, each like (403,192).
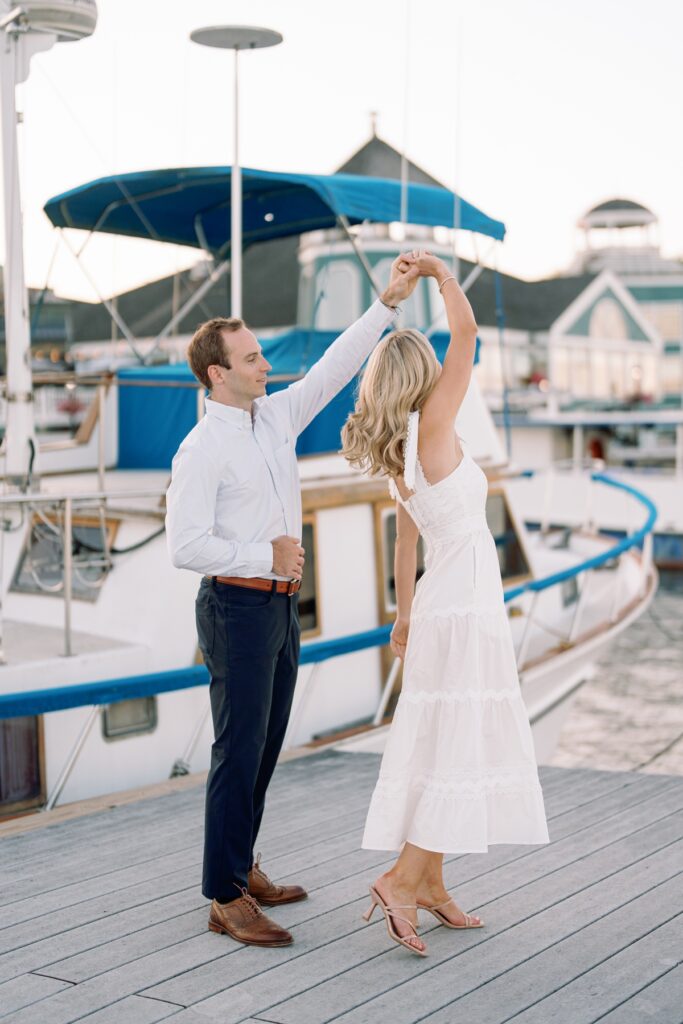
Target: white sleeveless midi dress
(459,769)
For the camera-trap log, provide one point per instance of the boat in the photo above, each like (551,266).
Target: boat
(102,686)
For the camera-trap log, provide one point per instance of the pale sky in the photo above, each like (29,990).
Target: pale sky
(561,105)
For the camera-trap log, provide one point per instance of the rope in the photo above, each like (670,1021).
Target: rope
(121,551)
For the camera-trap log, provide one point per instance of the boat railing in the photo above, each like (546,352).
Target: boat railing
(61,511)
(641,538)
(97,695)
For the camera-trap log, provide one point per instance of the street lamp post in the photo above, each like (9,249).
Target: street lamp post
(236,38)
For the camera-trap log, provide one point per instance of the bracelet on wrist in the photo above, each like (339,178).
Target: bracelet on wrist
(445,281)
(394,309)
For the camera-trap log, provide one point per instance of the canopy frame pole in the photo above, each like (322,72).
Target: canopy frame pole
(128,200)
(109,306)
(362,258)
(218,271)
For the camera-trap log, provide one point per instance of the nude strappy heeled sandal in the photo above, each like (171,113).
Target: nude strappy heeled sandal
(436,911)
(389,916)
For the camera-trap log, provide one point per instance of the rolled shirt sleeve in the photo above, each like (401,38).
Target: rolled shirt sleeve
(190,505)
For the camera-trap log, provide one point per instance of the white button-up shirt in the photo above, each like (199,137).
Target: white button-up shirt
(235,480)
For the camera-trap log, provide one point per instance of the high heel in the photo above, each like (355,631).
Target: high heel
(368,913)
(436,911)
(389,916)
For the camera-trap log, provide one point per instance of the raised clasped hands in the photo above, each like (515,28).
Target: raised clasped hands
(407,268)
(402,280)
(429,265)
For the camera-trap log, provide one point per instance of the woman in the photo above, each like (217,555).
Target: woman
(459,771)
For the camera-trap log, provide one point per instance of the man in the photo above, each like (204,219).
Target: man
(234,515)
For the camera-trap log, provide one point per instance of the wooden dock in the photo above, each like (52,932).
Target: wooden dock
(102,919)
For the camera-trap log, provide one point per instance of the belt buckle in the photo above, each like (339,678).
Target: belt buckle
(290,589)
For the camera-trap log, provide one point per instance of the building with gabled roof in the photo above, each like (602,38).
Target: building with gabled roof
(300,280)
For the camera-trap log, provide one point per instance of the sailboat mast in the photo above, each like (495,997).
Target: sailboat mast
(406,121)
(20,427)
(25,30)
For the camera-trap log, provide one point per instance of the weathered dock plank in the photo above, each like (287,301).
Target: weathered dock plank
(661,1000)
(503,985)
(319,985)
(204,981)
(589,923)
(14,995)
(143,841)
(112,881)
(132,1010)
(611,982)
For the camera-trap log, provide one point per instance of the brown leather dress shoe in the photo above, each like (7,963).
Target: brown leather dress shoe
(243,920)
(270,894)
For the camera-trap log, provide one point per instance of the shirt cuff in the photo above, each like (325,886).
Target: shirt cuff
(379,316)
(259,557)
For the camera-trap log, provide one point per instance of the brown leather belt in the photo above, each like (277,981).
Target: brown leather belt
(288,587)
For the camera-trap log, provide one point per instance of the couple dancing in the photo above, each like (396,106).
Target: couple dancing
(459,771)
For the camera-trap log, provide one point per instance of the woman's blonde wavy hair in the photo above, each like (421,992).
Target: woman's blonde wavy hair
(399,376)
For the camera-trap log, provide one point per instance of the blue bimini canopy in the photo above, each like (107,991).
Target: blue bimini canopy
(191,205)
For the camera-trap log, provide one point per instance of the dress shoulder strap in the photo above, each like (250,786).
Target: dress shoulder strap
(410,450)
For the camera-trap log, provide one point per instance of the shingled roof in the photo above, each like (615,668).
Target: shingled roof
(527,305)
(377,159)
(271,279)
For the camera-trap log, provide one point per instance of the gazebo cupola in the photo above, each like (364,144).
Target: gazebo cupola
(620,235)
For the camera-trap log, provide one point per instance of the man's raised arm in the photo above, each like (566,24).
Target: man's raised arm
(344,358)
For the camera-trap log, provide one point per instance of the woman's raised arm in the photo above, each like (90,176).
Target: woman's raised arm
(442,405)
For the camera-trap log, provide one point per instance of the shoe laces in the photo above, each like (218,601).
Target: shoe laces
(258,869)
(249,904)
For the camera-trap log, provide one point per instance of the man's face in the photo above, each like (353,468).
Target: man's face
(248,367)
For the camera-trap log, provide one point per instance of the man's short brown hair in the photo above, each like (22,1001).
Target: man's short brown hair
(208,346)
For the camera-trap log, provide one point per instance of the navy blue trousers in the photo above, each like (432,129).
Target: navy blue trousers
(250,643)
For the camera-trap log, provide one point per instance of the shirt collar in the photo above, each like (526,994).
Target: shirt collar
(239,418)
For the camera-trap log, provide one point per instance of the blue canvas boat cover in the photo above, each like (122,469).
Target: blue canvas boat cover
(154,420)
(191,205)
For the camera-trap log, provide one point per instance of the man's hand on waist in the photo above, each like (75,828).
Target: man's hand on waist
(288,557)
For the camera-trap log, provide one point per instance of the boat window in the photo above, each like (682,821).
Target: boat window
(339,292)
(21,781)
(40,568)
(511,557)
(308,595)
(388,548)
(129,717)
